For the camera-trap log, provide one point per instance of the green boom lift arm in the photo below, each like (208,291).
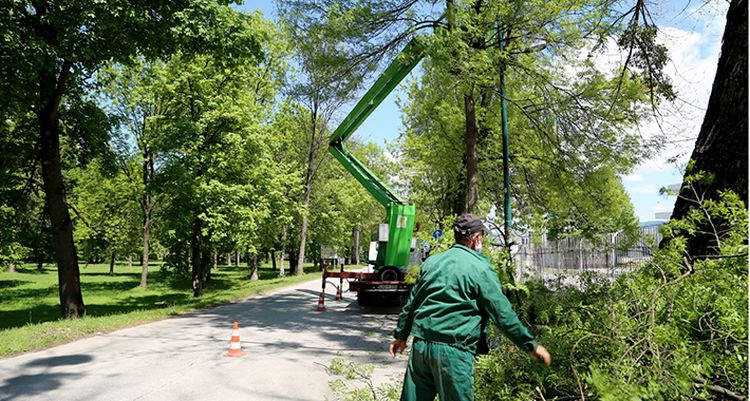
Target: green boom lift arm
(400,214)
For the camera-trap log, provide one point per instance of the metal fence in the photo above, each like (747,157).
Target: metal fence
(611,255)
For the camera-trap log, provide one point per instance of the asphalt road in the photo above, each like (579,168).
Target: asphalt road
(287,343)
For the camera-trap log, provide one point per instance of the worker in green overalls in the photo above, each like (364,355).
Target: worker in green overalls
(446,312)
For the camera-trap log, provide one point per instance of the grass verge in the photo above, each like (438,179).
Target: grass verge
(30,309)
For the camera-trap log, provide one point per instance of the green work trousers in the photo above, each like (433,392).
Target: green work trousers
(438,369)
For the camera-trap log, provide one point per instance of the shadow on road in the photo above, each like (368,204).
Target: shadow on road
(28,385)
(350,328)
(60,361)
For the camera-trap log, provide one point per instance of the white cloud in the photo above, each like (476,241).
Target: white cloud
(391,157)
(644,189)
(694,51)
(662,207)
(633,178)
(693,59)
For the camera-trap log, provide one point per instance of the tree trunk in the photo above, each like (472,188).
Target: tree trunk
(40,262)
(68,275)
(472,183)
(459,197)
(214,261)
(273,261)
(451,14)
(206,265)
(147,205)
(721,147)
(197,271)
(297,270)
(252,262)
(12,266)
(145,254)
(309,176)
(112,263)
(281,254)
(229,258)
(237,259)
(319,253)
(293,260)
(355,246)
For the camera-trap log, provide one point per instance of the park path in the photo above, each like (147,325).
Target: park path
(286,341)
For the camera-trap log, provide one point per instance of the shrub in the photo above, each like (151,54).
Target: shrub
(676,328)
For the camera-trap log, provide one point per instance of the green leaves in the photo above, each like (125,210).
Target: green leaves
(106,217)
(218,141)
(205,118)
(357,383)
(665,331)
(571,123)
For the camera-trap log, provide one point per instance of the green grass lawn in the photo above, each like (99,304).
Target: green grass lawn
(30,307)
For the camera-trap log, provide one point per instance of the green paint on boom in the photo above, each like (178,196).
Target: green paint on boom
(400,214)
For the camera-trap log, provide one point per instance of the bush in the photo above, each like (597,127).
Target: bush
(674,329)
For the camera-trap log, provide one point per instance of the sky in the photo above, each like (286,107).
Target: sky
(692,32)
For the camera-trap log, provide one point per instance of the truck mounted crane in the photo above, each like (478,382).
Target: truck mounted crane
(394,243)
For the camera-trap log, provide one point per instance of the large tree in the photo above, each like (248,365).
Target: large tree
(218,148)
(568,114)
(326,82)
(50,51)
(570,123)
(719,160)
(140,106)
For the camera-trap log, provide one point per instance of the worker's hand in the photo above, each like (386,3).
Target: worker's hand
(397,346)
(540,354)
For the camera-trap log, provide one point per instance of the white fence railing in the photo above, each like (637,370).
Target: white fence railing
(611,256)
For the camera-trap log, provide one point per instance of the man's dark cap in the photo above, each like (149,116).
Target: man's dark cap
(468,223)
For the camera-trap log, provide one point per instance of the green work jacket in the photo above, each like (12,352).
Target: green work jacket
(454,292)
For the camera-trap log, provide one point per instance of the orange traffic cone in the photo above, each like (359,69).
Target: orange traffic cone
(321,306)
(235,349)
(338,294)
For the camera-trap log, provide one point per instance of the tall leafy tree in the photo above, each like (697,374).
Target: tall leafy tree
(327,81)
(218,157)
(19,170)
(50,49)
(565,173)
(288,124)
(137,99)
(576,112)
